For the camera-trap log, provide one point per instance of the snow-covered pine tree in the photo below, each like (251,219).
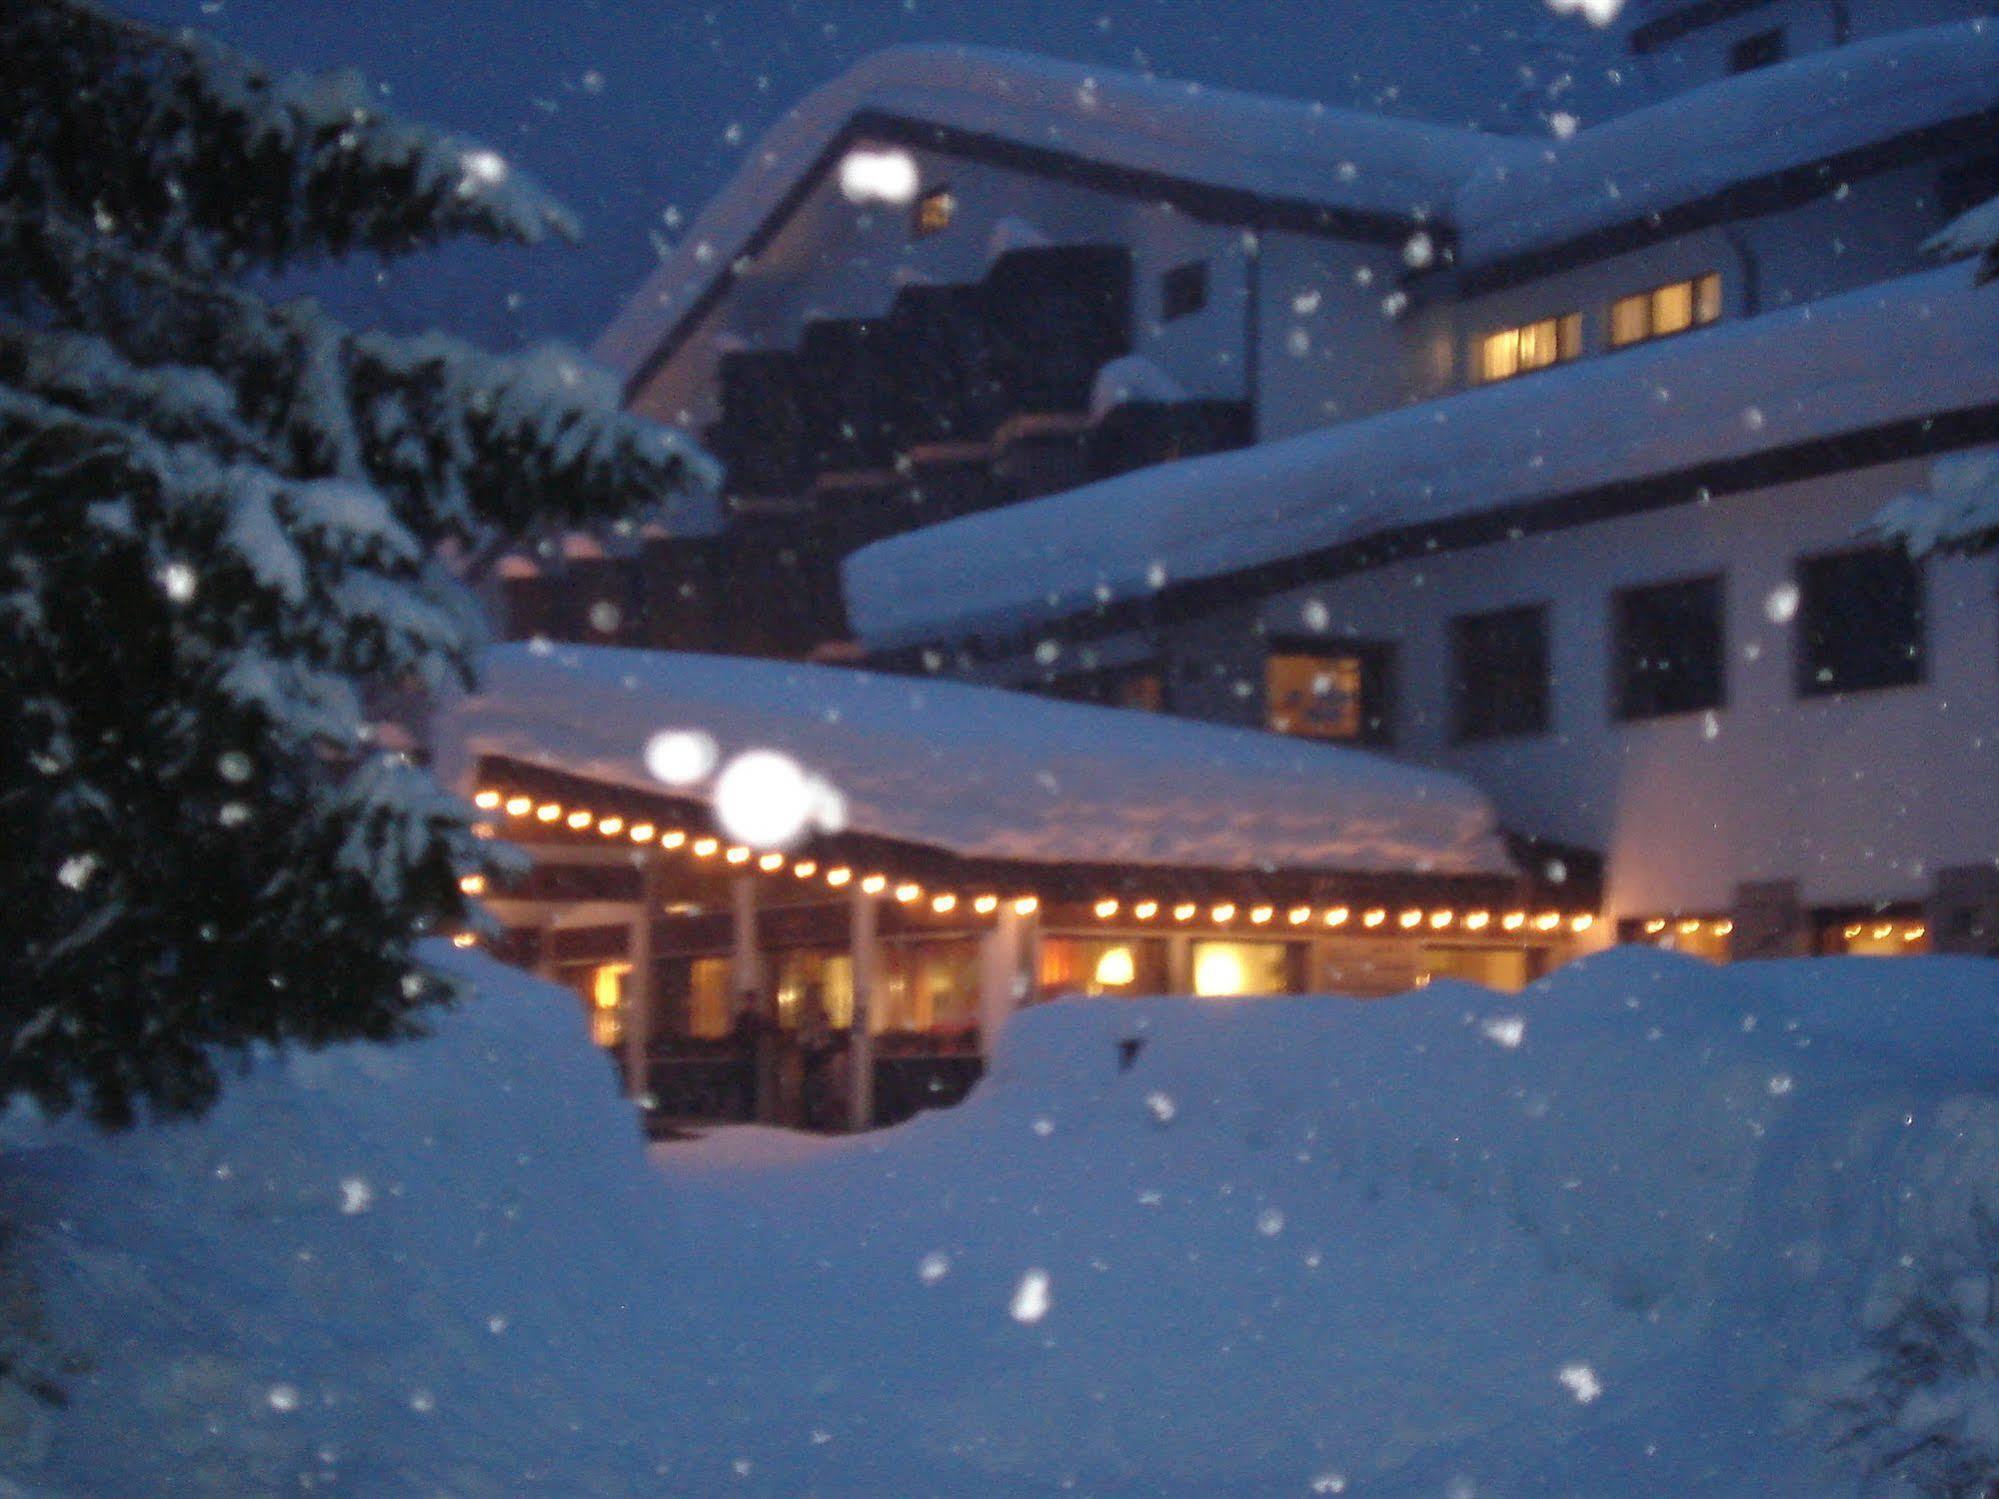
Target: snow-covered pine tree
(220,525)
(1961,511)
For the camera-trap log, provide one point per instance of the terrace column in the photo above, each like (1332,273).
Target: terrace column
(865,947)
(639,983)
(1002,956)
(746,992)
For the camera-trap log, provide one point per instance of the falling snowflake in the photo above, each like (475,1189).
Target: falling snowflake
(680,757)
(1031,1299)
(933,1267)
(1580,1381)
(1504,1030)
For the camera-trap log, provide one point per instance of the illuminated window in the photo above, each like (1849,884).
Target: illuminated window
(933,212)
(1328,694)
(930,986)
(1673,308)
(608,982)
(809,979)
(1089,965)
(1225,969)
(1507,968)
(1900,932)
(708,998)
(1531,346)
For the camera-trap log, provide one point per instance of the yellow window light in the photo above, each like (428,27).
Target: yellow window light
(548,811)
(874,884)
(1185,911)
(671,838)
(805,868)
(641,832)
(985,905)
(1106,909)
(519,806)
(838,877)
(907,892)
(1441,919)
(472,884)
(1299,915)
(1547,921)
(1374,918)
(1116,968)
(1224,912)
(465,939)
(944,905)
(1262,914)
(1514,920)
(1338,916)
(704,848)
(580,820)
(771,863)
(1581,922)
(1409,919)
(1478,921)
(486,800)
(1027,905)
(737,854)
(1145,910)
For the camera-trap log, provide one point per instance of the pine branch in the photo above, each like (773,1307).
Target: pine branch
(201,155)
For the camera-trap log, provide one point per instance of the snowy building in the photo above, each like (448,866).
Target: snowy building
(1545,462)
(921,858)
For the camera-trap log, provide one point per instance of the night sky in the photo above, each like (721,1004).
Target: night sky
(635,111)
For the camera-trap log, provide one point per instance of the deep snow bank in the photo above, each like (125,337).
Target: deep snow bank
(1629,1233)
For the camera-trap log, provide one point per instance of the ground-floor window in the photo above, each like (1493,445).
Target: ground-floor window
(609,986)
(1899,932)
(1508,968)
(1102,965)
(1697,936)
(1223,969)
(708,1015)
(815,988)
(930,986)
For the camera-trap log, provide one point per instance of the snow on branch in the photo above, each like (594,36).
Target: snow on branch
(241,165)
(1959,512)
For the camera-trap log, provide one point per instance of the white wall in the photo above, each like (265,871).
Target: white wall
(1857,798)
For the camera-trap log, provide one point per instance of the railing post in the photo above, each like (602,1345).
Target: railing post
(864,946)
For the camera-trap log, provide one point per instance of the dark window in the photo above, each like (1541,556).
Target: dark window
(1966,184)
(1757,51)
(1500,679)
(1320,690)
(1183,290)
(1668,651)
(1860,621)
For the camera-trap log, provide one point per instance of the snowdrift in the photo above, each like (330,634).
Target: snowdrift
(1649,1228)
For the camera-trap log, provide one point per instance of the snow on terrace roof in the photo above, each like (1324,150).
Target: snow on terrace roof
(1276,148)
(1902,349)
(979,772)
(1756,125)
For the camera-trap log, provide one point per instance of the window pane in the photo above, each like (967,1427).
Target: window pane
(1667,648)
(934,211)
(1499,355)
(708,997)
(1570,339)
(1537,345)
(1630,320)
(1317,696)
(1673,308)
(1494,967)
(1707,298)
(1860,622)
(1223,969)
(1500,676)
(1108,965)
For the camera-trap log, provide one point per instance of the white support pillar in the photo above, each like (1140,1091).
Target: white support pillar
(864,945)
(745,962)
(1003,963)
(640,998)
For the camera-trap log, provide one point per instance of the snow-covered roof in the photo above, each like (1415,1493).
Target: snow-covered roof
(1902,349)
(1747,128)
(1275,148)
(982,773)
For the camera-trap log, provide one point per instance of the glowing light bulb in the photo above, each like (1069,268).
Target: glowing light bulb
(1145,910)
(671,838)
(1581,922)
(518,806)
(1106,909)
(943,905)
(1478,921)
(1262,914)
(874,884)
(1027,905)
(473,884)
(1338,916)
(1185,911)
(487,800)
(1299,915)
(907,892)
(1223,913)
(610,827)
(548,811)
(1441,919)
(771,863)
(641,832)
(805,869)
(1374,918)
(704,848)
(839,877)
(1409,920)
(737,854)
